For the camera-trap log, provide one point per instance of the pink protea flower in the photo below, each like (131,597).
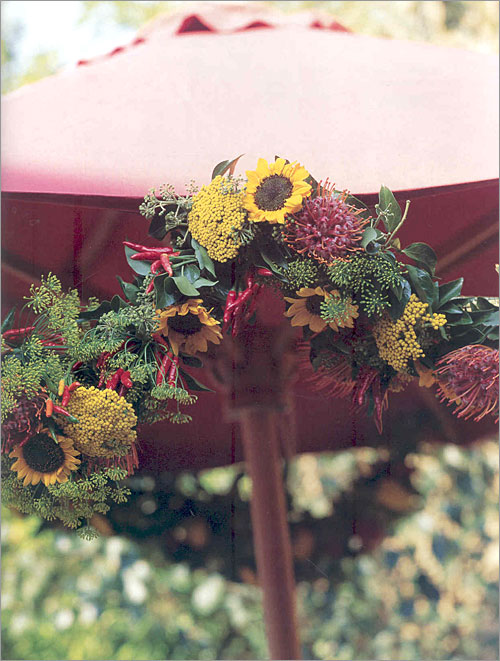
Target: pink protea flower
(468,377)
(327,228)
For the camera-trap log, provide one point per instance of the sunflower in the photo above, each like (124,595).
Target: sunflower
(42,459)
(306,310)
(188,326)
(275,190)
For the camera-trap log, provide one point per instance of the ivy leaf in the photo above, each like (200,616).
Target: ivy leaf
(204,259)
(166,291)
(463,319)
(128,289)
(423,255)
(191,272)
(184,286)
(389,208)
(222,167)
(449,290)
(485,317)
(192,383)
(141,268)
(422,284)
(203,282)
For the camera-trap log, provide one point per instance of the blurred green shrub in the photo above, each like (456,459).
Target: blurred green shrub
(429,591)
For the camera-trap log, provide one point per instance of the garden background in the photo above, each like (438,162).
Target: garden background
(428,590)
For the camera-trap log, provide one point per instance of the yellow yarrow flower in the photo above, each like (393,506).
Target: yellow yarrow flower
(105,422)
(397,341)
(275,189)
(216,213)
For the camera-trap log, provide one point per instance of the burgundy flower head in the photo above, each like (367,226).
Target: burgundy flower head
(327,228)
(469,378)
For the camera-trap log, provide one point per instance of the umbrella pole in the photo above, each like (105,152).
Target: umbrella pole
(271,535)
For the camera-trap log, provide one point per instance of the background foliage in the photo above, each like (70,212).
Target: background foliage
(429,591)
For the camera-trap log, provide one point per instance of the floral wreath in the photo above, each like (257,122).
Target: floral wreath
(77,379)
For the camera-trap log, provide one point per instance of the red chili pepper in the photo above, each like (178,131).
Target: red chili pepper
(173,371)
(49,408)
(16,332)
(61,411)
(161,340)
(114,380)
(250,280)
(126,380)
(264,272)
(150,287)
(140,248)
(165,262)
(155,266)
(146,256)
(76,366)
(162,371)
(231,297)
(74,386)
(102,359)
(66,396)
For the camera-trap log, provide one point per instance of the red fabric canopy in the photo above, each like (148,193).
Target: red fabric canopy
(81,148)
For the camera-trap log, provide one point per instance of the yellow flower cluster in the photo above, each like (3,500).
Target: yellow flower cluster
(217,211)
(105,421)
(397,341)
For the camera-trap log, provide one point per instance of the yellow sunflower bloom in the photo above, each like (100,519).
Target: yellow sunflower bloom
(275,190)
(306,310)
(41,459)
(188,326)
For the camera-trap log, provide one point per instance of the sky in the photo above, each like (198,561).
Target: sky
(54,25)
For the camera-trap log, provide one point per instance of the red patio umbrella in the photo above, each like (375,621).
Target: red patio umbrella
(81,148)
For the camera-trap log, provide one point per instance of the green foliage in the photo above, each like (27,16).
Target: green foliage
(166,209)
(335,309)
(300,273)
(71,502)
(428,592)
(371,278)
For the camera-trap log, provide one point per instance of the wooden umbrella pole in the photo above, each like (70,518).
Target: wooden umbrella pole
(272,545)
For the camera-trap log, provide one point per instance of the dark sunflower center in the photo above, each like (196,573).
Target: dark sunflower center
(272,192)
(43,454)
(313,304)
(185,325)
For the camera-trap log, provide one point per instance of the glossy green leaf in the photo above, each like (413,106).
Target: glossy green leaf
(423,255)
(141,268)
(204,260)
(192,361)
(128,289)
(192,383)
(370,234)
(191,272)
(390,208)
(422,284)
(204,282)
(184,286)
(225,166)
(449,290)
(166,291)
(486,317)
(8,322)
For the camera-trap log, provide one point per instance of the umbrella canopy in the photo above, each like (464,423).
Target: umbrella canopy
(81,148)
